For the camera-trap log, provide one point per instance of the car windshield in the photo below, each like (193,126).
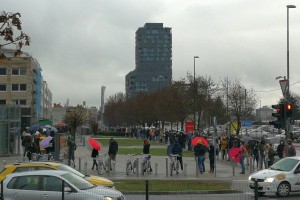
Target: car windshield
(70,169)
(77,181)
(286,164)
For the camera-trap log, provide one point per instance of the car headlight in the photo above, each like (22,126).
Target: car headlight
(269,180)
(249,178)
(108,198)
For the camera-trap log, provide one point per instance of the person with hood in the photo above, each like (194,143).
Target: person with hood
(199,152)
(113,150)
(262,158)
(291,150)
(176,149)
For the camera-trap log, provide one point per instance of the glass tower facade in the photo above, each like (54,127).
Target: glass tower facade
(153,60)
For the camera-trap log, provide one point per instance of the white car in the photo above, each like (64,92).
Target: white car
(53,185)
(281,178)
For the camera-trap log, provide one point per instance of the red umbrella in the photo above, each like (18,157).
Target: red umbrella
(196,139)
(94,144)
(234,154)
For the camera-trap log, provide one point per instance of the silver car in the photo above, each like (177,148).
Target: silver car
(53,185)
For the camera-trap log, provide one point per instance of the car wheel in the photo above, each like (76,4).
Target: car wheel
(283,189)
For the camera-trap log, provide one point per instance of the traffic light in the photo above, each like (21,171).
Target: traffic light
(289,110)
(279,114)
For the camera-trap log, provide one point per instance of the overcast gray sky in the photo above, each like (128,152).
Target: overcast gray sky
(82,45)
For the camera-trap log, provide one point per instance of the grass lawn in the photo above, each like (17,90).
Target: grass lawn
(172,185)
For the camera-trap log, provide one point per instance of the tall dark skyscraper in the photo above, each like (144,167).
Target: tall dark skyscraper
(153,60)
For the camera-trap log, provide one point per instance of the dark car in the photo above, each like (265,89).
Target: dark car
(295,136)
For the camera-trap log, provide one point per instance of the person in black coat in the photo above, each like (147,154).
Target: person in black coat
(182,140)
(176,149)
(211,156)
(94,155)
(112,150)
(280,149)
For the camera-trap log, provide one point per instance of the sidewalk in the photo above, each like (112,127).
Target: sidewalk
(224,170)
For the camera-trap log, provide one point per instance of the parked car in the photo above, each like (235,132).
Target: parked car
(32,166)
(281,178)
(54,184)
(295,136)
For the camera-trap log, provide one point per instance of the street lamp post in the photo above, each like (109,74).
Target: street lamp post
(287,127)
(195,93)
(288,53)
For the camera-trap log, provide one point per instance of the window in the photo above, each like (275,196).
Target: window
(23,71)
(22,87)
(2,87)
(15,71)
(2,71)
(24,169)
(24,183)
(17,87)
(2,101)
(22,102)
(19,71)
(52,183)
(14,102)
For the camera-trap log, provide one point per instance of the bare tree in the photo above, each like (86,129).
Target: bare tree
(241,101)
(11,32)
(75,117)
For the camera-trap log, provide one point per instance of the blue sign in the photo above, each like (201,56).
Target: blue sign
(247,123)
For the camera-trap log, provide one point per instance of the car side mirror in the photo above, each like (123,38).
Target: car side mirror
(67,189)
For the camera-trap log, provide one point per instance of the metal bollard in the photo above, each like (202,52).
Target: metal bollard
(185,169)
(79,163)
(85,168)
(233,168)
(247,163)
(256,189)
(147,190)
(137,167)
(156,169)
(83,142)
(251,165)
(108,165)
(167,166)
(197,167)
(1,191)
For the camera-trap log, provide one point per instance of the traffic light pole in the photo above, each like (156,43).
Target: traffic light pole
(286,128)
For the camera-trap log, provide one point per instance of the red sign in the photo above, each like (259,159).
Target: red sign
(189,127)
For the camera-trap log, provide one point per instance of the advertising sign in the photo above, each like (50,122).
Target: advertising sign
(189,127)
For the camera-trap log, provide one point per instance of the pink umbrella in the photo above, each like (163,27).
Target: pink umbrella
(45,142)
(234,154)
